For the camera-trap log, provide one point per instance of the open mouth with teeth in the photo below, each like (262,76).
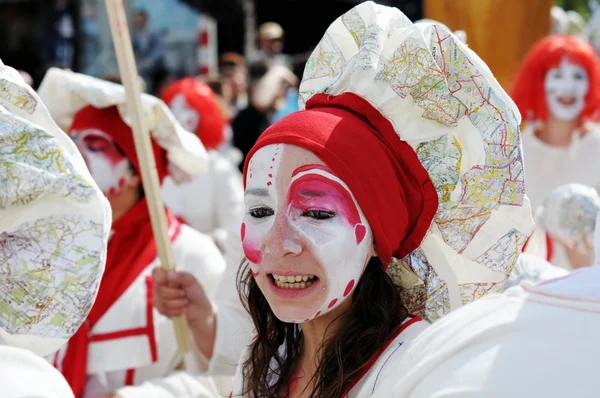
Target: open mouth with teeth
(293,281)
(566,101)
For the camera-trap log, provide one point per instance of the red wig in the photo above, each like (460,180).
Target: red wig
(528,90)
(203,100)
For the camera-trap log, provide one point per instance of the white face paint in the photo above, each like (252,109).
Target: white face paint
(566,88)
(108,166)
(186,115)
(302,224)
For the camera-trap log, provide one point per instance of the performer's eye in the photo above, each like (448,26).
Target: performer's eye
(261,212)
(319,214)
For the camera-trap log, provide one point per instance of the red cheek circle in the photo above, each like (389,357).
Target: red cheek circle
(349,288)
(243,231)
(332,303)
(252,254)
(360,231)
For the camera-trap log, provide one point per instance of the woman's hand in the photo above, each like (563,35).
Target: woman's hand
(179,293)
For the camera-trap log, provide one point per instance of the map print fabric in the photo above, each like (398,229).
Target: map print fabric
(54,225)
(443,100)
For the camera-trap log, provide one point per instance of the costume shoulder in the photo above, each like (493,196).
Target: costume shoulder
(501,346)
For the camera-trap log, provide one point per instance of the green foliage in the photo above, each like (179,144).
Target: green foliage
(581,6)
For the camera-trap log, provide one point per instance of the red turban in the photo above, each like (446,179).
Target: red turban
(109,121)
(384,173)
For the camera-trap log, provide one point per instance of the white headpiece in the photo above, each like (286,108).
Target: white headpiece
(54,221)
(445,103)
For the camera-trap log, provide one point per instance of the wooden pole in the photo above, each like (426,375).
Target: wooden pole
(143,147)
(499,31)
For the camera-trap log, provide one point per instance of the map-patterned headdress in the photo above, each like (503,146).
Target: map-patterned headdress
(443,101)
(67,92)
(54,225)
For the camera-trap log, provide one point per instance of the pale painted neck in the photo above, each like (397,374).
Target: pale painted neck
(557,132)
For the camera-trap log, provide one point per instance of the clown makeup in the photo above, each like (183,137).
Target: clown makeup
(108,165)
(186,115)
(566,88)
(304,235)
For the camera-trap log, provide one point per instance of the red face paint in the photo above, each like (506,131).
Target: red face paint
(316,192)
(99,144)
(349,288)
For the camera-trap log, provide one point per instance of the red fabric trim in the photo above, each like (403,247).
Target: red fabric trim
(150,317)
(378,354)
(129,377)
(120,334)
(549,248)
(147,330)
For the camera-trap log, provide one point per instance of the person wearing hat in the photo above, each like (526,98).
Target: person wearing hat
(213,201)
(270,39)
(125,348)
(407,148)
(55,224)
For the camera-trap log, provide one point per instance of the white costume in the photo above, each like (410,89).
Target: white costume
(26,375)
(549,166)
(444,102)
(532,341)
(119,356)
(132,349)
(212,202)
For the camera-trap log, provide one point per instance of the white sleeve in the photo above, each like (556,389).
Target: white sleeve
(201,257)
(229,194)
(234,326)
(177,385)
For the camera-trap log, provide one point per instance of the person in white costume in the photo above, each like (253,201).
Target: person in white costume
(214,200)
(126,348)
(394,156)
(532,341)
(49,205)
(557,90)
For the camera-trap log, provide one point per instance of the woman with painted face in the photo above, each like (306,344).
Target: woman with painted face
(557,91)
(407,148)
(125,348)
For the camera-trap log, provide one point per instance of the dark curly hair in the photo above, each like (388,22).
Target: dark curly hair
(376,313)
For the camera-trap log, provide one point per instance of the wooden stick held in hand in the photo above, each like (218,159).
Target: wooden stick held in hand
(143,147)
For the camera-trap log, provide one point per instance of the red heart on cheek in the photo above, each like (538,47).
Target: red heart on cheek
(360,231)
